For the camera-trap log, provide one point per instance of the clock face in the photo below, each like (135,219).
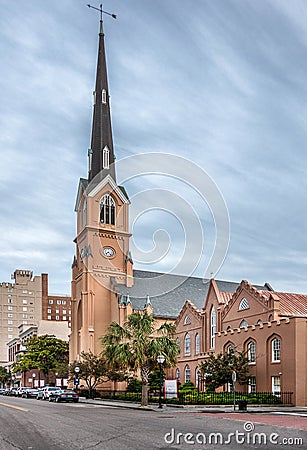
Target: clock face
(108,252)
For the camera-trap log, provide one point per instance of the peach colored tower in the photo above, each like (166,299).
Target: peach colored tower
(102,257)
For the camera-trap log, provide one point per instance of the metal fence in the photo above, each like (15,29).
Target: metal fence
(198,398)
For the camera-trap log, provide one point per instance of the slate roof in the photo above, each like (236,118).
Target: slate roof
(169,292)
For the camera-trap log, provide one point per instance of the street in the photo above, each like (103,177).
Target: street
(31,424)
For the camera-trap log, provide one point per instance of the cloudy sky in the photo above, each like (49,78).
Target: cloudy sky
(221,83)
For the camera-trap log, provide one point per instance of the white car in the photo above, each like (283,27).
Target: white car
(47,390)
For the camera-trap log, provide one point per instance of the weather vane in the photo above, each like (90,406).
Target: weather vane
(102,12)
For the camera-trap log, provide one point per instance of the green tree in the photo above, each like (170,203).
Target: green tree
(4,375)
(92,369)
(217,369)
(136,345)
(44,353)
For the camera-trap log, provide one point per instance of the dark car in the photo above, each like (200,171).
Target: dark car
(63,396)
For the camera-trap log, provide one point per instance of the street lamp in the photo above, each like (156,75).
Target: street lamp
(160,360)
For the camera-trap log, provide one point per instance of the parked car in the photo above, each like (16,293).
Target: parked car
(47,390)
(13,391)
(63,396)
(30,393)
(40,393)
(21,390)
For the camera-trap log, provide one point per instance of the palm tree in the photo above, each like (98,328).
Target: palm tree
(137,344)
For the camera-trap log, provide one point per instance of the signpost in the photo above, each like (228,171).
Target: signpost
(234,378)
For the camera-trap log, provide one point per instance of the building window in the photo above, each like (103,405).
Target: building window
(84,213)
(178,375)
(276,385)
(252,385)
(10,322)
(230,349)
(104,96)
(276,350)
(57,317)
(187,320)
(64,311)
(25,322)
(243,304)
(25,291)
(187,344)
(107,210)
(63,302)
(25,308)
(10,329)
(10,308)
(213,327)
(251,352)
(49,317)
(187,373)
(25,316)
(259,322)
(64,317)
(106,158)
(10,336)
(197,344)
(243,324)
(57,311)
(50,302)
(10,315)
(24,301)
(10,290)
(49,311)
(9,300)
(59,302)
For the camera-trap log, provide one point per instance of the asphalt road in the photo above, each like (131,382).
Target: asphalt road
(30,424)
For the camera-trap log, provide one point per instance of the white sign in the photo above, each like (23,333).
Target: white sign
(234,376)
(170,388)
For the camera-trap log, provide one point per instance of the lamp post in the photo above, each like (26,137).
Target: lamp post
(33,379)
(160,360)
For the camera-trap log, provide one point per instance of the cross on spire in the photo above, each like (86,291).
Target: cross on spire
(101,13)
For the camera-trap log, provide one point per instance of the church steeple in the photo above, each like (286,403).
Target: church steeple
(101,153)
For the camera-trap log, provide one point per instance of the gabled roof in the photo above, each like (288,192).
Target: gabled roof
(290,304)
(168,292)
(81,188)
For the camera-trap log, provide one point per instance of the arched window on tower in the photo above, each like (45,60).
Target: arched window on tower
(106,158)
(84,213)
(187,373)
(104,96)
(213,327)
(107,210)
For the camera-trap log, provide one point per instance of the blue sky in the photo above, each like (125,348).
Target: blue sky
(221,83)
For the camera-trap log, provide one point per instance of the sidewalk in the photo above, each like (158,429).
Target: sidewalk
(197,408)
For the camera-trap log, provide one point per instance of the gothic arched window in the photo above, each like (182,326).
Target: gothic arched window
(213,326)
(187,373)
(251,352)
(197,344)
(187,344)
(106,158)
(107,210)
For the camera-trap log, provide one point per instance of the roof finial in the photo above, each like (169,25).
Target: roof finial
(102,12)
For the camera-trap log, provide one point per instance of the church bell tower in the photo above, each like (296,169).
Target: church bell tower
(102,257)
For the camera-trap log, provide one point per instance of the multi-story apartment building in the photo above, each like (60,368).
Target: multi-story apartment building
(26,301)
